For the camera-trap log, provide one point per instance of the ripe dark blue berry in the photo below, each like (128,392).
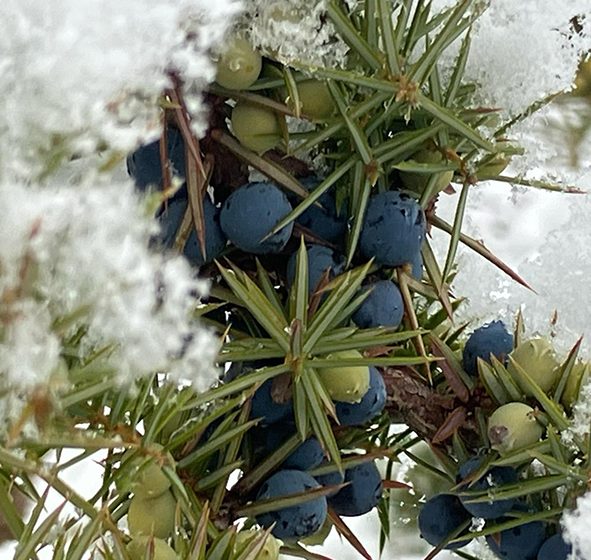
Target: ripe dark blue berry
(308,455)
(393,229)
(320,259)
(520,543)
(555,548)
(170,220)
(417,266)
(330,479)
(324,222)
(251,212)
(382,308)
(264,406)
(440,517)
(492,338)
(144,167)
(294,522)
(493,478)
(362,494)
(372,403)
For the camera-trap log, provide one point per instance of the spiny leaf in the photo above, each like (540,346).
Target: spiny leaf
(544,185)
(313,197)
(436,277)
(351,36)
(346,285)
(299,290)
(216,443)
(318,399)
(456,231)
(344,531)
(479,248)
(26,548)
(361,190)
(491,383)
(553,410)
(274,504)
(333,129)
(459,381)
(264,165)
(264,311)
(523,455)
(268,290)
(364,338)
(243,382)
(453,122)
(81,544)
(403,144)
(517,490)
(451,30)
(458,71)
(357,134)
(516,522)
(566,370)
(384,10)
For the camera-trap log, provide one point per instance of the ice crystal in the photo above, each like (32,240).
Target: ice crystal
(75,74)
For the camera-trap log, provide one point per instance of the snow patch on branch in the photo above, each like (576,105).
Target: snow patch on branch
(83,252)
(576,527)
(78,74)
(293,31)
(521,52)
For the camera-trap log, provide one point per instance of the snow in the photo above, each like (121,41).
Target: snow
(525,51)
(293,30)
(76,74)
(90,254)
(576,527)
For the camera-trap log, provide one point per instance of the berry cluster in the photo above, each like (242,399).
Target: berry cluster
(359,394)
(240,223)
(294,480)
(517,374)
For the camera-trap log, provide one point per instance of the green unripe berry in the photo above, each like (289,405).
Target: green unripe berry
(270,550)
(151,481)
(137,549)
(346,384)
(536,356)
(143,474)
(257,128)
(417,182)
(239,66)
(513,426)
(577,378)
(315,99)
(152,516)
